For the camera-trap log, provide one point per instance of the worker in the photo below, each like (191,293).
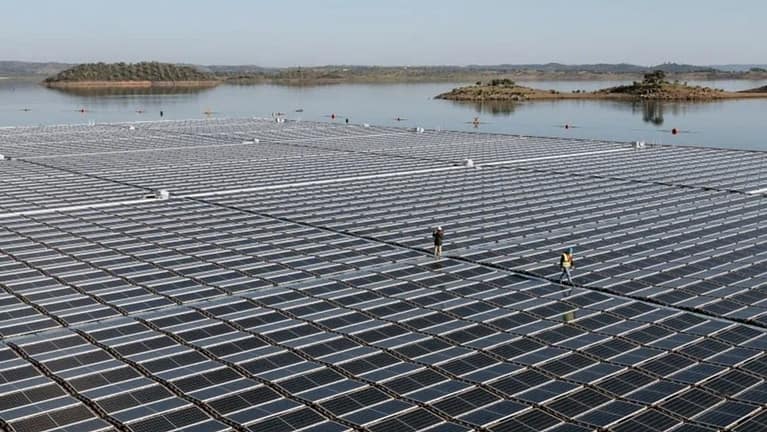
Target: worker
(439,236)
(161,113)
(347,120)
(566,264)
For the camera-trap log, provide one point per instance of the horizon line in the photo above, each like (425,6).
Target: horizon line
(457,65)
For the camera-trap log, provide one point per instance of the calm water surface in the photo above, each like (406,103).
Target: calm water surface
(734,124)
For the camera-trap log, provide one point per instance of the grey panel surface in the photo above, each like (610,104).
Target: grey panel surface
(307,306)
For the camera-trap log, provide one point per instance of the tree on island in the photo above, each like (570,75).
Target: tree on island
(498,82)
(655,78)
(653,82)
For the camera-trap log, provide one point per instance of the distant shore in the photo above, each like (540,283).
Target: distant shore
(391,76)
(117,72)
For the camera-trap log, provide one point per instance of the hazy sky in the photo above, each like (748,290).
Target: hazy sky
(390,32)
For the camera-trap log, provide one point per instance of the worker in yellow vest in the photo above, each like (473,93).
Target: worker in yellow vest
(566,263)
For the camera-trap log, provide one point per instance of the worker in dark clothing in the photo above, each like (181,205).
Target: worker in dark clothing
(347,120)
(566,264)
(439,236)
(161,113)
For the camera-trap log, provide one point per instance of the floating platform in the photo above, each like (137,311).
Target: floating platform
(243,274)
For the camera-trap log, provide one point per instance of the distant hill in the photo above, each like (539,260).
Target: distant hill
(236,69)
(739,67)
(245,74)
(20,68)
(144,71)
(455,73)
(596,68)
(31,69)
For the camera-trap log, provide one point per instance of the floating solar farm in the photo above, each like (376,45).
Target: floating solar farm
(287,282)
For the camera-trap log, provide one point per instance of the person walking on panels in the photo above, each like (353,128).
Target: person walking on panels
(438,235)
(566,263)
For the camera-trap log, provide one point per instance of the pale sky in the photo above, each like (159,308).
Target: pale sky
(391,32)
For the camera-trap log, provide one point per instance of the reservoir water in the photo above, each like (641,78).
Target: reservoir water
(738,124)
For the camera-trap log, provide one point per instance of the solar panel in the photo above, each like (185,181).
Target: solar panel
(288,283)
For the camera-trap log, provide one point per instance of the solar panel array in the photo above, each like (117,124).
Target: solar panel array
(288,283)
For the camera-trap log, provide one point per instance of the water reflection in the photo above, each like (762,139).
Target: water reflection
(490,107)
(653,112)
(143,102)
(127,91)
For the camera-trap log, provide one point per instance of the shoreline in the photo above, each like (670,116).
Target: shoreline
(603,96)
(436,78)
(464,78)
(653,88)
(129,84)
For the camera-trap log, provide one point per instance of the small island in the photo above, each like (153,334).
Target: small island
(131,75)
(653,87)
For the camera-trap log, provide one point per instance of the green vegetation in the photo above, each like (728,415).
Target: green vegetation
(653,82)
(500,76)
(144,71)
(503,82)
(655,86)
(498,89)
(343,74)
(289,76)
(498,82)
(757,69)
